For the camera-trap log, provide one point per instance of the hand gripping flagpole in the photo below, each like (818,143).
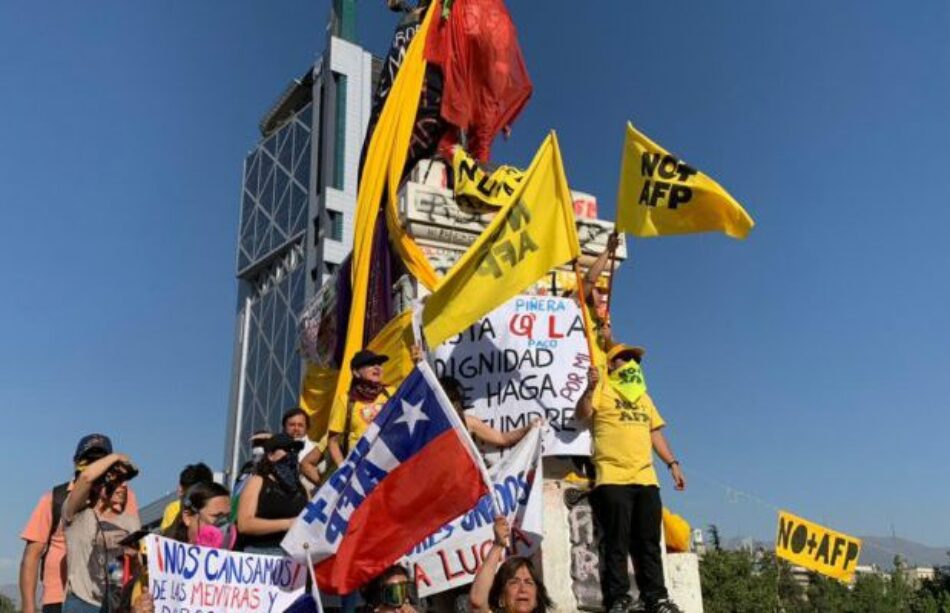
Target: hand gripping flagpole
(584,314)
(610,280)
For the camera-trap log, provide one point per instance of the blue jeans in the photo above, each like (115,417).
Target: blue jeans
(74,604)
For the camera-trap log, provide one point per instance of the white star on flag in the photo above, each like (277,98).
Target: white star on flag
(411,415)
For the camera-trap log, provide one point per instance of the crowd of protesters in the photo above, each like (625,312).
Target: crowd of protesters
(82,539)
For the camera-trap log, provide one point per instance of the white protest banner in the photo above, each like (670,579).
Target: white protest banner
(526,359)
(187,578)
(450,557)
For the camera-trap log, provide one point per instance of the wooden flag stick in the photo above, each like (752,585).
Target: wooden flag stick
(610,281)
(584,314)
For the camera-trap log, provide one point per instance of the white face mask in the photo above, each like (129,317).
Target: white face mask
(256,454)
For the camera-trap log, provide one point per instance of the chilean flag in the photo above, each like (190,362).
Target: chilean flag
(414,470)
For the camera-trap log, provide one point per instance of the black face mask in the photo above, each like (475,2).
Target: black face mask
(287,471)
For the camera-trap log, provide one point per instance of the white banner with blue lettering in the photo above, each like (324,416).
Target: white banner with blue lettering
(450,557)
(188,578)
(528,358)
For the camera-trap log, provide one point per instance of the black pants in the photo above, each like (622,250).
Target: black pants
(629,519)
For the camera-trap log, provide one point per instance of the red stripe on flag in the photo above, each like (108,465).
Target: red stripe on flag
(417,498)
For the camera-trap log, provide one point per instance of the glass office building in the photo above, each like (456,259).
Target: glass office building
(298,194)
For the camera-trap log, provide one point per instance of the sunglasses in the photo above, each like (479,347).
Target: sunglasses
(398,594)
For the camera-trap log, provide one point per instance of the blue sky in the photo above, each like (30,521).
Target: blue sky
(804,366)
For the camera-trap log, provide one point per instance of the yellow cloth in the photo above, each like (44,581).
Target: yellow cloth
(472,184)
(363,415)
(385,158)
(676,531)
(660,194)
(525,240)
(316,395)
(623,448)
(171,513)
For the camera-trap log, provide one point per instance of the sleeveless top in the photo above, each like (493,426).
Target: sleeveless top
(275,502)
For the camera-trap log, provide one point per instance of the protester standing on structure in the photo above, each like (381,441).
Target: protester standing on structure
(364,401)
(626,429)
(95,520)
(272,497)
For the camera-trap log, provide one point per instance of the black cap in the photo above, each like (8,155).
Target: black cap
(90,443)
(282,441)
(365,357)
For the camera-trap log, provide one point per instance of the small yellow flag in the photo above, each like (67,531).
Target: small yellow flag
(659,194)
(534,233)
(816,548)
(478,189)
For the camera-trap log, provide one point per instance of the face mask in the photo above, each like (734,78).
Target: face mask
(256,454)
(287,470)
(219,535)
(629,381)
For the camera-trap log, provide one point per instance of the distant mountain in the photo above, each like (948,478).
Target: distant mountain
(880,550)
(877,550)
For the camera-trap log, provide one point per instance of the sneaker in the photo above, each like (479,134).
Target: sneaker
(621,605)
(665,606)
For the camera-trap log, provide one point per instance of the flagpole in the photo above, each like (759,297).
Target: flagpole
(584,314)
(314,588)
(610,281)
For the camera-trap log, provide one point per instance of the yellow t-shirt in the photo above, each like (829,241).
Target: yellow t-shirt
(623,449)
(363,415)
(170,514)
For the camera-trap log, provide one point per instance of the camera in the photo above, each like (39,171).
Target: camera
(118,473)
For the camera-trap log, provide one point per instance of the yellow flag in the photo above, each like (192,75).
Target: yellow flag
(472,185)
(385,158)
(524,241)
(659,194)
(816,548)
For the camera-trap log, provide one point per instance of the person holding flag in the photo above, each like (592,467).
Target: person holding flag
(413,470)
(626,429)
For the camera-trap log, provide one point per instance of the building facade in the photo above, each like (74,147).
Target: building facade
(298,194)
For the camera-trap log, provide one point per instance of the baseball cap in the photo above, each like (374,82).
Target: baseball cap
(282,441)
(365,357)
(627,352)
(90,443)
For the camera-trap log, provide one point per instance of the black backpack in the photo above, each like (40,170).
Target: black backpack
(59,494)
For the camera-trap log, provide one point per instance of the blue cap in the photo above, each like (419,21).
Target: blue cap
(92,442)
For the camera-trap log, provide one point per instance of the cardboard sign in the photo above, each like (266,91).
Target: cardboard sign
(191,579)
(526,359)
(816,548)
(451,556)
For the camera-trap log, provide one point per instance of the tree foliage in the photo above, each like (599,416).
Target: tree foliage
(744,581)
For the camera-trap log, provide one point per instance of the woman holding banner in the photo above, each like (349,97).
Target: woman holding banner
(205,520)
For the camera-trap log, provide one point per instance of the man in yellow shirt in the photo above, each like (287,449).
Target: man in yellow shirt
(626,430)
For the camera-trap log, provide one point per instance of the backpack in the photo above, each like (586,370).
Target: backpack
(59,494)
